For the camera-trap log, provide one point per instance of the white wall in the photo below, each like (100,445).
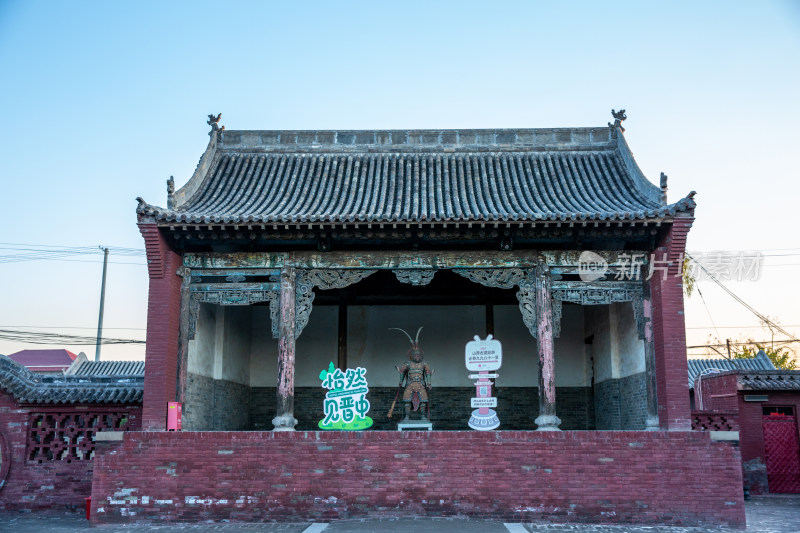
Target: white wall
(618,351)
(235,354)
(446,330)
(246,352)
(520,356)
(201,348)
(221,347)
(315,349)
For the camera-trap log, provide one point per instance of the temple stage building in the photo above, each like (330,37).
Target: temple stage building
(287,251)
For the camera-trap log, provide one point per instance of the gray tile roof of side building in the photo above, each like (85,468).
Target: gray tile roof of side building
(32,387)
(419,176)
(106,368)
(770,380)
(698,366)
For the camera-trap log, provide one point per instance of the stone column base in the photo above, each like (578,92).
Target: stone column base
(284,423)
(547,423)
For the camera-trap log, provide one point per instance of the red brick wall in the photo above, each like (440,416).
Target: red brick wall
(609,476)
(720,393)
(163,324)
(46,485)
(669,333)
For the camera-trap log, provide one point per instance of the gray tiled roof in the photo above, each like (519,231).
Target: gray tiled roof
(32,387)
(770,380)
(698,366)
(107,368)
(338,177)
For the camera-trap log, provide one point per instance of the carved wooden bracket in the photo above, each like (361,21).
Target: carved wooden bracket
(503,278)
(527,305)
(324,279)
(414,277)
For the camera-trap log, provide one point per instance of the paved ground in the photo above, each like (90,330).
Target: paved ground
(765,514)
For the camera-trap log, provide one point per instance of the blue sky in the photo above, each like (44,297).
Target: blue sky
(105,100)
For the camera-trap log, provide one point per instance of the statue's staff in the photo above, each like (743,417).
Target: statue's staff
(396,396)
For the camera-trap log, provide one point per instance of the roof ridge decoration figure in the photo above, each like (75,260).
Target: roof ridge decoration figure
(619,116)
(171,192)
(213,121)
(663,185)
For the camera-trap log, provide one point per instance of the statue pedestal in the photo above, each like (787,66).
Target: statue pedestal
(414,424)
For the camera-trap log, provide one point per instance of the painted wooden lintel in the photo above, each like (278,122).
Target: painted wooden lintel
(567,260)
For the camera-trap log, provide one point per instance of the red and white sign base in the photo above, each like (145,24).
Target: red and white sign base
(484,422)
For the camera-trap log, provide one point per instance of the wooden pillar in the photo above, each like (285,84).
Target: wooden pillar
(489,319)
(184,333)
(342,357)
(285,420)
(651,422)
(547,419)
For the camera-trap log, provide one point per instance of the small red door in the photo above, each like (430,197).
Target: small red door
(782,453)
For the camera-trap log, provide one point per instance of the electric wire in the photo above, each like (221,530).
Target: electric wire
(763,318)
(41,337)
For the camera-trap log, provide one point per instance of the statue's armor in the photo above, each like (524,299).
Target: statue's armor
(415,391)
(415,381)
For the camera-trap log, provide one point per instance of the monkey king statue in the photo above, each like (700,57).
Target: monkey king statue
(416,376)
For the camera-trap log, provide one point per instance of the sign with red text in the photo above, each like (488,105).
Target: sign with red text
(483,355)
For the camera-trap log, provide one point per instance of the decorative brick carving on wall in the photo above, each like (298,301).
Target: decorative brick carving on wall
(704,421)
(69,436)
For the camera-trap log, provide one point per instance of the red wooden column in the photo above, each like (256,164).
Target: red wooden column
(163,325)
(547,419)
(285,420)
(669,328)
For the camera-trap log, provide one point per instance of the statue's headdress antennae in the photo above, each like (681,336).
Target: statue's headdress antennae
(407,335)
(416,341)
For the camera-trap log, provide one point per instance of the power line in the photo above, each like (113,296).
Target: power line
(722,345)
(741,327)
(765,319)
(708,312)
(40,337)
(68,327)
(19,252)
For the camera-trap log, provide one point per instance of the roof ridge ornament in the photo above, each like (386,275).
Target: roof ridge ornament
(170,192)
(213,121)
(619,116)
(664,189)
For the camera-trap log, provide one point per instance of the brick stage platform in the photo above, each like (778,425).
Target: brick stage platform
(629,477)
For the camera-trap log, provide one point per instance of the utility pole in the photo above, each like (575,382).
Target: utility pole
(102,305)
(728,343)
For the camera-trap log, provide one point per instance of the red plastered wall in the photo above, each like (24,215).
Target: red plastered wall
(608,476)
(163,325)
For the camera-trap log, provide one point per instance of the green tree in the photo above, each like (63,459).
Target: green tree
(688,277)
(782,358)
